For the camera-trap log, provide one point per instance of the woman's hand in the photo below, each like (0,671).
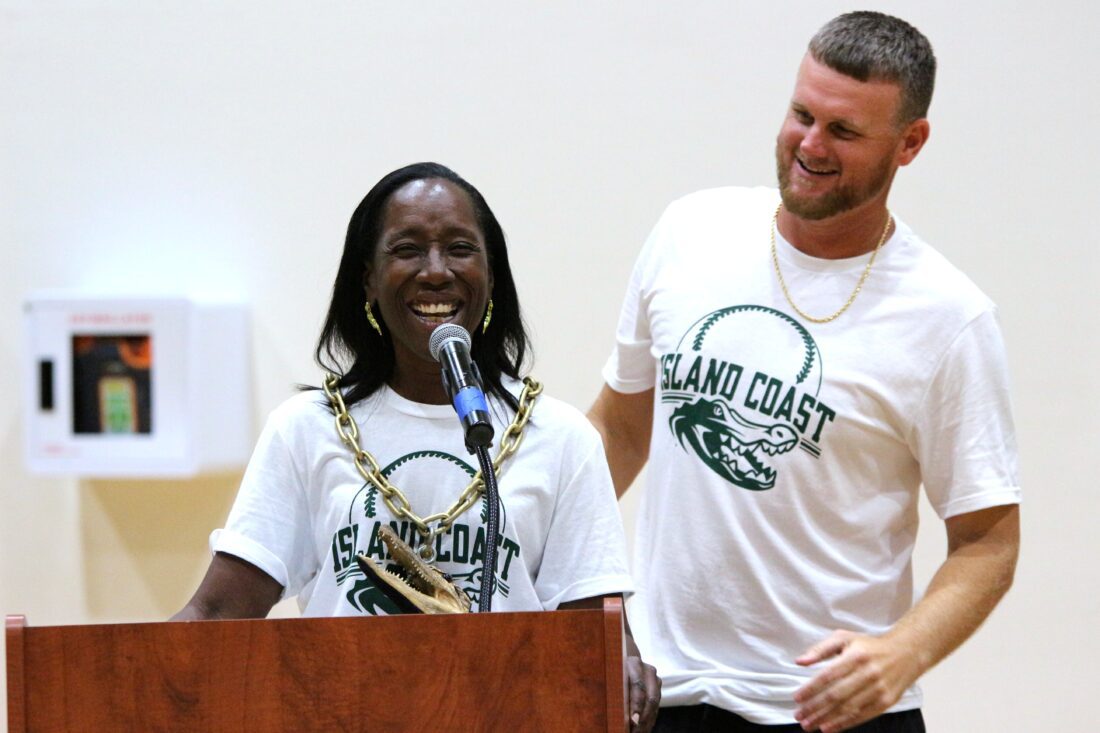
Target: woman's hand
(644,690)
(643,684)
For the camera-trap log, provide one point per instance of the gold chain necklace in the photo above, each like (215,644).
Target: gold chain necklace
(398,504)
(859,285)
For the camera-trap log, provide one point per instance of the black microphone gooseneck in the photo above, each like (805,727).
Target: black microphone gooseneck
(489,476)
(450,346)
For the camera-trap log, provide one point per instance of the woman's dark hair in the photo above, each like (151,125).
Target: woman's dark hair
(347,339)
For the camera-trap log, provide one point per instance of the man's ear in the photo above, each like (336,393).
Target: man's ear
(913,139)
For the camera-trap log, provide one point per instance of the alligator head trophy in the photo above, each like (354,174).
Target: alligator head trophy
(414,585)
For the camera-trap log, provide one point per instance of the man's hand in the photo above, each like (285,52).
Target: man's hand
(867,675)
(644,691)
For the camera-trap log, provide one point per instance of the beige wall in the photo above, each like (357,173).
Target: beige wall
(221,147)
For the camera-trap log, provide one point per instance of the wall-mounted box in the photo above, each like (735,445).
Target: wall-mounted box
(143,386)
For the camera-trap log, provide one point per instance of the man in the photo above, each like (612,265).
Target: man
(794,366)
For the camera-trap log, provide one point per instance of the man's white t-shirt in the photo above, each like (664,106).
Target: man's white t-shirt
(786,456)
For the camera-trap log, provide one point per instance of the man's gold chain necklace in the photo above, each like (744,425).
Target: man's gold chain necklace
(859,285)
(397,502)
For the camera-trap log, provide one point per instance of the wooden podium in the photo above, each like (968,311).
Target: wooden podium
(552,671)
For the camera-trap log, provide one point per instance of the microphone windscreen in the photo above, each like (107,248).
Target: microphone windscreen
(445,332)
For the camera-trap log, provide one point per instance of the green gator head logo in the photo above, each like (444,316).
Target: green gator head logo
(744,383)
(732,446)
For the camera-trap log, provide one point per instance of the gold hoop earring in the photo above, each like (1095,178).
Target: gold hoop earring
(370,319)
(488,317)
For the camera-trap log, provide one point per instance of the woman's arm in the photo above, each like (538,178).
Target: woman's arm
(232,588)
(645,685)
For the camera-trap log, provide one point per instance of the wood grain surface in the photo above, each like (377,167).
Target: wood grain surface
(555,671)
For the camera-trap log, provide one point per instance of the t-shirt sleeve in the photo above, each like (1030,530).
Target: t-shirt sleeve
(269,523)
(584,554)
(964,435)
(631,367)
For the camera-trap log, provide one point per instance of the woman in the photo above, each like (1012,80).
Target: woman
(423,248)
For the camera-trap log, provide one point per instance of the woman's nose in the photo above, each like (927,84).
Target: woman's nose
(435,267)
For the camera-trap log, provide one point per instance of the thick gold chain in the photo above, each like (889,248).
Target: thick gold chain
(397,502)
(859,285)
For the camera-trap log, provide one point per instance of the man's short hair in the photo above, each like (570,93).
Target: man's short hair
(868,45)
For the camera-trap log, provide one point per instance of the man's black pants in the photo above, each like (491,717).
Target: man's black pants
(707,719)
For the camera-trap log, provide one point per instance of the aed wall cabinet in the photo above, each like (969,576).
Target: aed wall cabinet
(153,387)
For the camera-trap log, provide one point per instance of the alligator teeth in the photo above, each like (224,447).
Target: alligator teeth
(756,464)
(728,451)
(747,461)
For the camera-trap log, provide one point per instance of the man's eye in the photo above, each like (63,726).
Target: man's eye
(802,116)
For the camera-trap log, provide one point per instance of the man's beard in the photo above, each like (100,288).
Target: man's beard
(839,200)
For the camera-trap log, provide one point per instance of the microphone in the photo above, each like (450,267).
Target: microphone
(450,346)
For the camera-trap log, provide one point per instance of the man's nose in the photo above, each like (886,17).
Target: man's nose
(813,143)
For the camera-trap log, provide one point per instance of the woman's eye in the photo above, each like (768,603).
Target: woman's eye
(405,249)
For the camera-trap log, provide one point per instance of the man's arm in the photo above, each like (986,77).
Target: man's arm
(868,674)
(625,421)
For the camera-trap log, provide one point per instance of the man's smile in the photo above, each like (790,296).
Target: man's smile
(814,171)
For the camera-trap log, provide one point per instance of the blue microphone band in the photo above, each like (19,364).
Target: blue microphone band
(468,400)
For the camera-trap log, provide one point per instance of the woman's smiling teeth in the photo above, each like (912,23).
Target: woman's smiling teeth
(435,312)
